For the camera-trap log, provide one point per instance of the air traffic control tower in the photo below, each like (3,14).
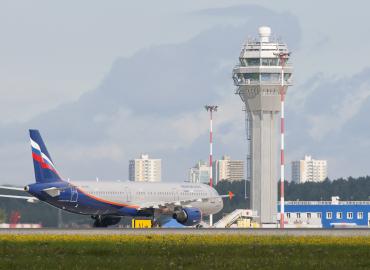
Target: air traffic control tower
(258,77)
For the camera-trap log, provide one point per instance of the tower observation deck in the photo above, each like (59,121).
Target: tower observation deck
(258,78)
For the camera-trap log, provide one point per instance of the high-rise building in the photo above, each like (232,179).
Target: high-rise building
(228,169)
(309,170)
(262,77)
(199,173)
(145,169)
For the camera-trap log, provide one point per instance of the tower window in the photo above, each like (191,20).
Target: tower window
(253,61)
(270,76)
(251,76)
(269,61)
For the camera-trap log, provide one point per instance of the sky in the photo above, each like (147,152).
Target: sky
(106,81)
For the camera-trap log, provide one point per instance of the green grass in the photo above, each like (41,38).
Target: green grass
(183,252)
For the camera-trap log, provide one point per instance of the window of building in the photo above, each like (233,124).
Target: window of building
(251,76)
(269,61)
(253,61)
(298,215)
(339,215)
(360,215)
(308,215)
(329,215)
(288,215)
(349,215)
(243,62)
(318,215)
(270,77)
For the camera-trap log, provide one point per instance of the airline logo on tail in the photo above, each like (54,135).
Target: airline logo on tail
(45,170)
(41,158)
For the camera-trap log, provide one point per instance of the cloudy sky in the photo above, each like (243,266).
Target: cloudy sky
(106,81)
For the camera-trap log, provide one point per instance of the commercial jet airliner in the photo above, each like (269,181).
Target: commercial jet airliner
(107,202)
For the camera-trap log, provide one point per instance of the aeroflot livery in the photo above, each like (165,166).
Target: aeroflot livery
(107,202)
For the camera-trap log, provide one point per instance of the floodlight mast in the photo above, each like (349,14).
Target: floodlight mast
(283,56)
(211,109)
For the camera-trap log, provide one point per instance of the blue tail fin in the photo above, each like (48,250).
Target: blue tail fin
(45,170)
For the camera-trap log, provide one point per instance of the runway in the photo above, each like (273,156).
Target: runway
(365,232)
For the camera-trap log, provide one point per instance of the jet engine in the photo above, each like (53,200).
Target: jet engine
(187,216)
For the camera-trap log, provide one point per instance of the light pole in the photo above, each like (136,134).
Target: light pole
(210,109)
(283,56)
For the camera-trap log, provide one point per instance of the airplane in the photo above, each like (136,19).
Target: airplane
(108,202)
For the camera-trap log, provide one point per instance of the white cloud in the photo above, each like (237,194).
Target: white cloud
(339,114)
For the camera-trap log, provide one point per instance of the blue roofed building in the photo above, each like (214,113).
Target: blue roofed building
(326,214)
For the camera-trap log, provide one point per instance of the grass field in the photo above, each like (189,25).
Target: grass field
(183,252)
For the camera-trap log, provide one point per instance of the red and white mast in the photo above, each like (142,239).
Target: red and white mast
(282,57)
(211,109)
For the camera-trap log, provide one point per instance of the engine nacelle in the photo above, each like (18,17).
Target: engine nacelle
(188,216)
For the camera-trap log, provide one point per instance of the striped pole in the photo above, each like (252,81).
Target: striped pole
(210,149)
(282,127)
(211,109)
(210,159)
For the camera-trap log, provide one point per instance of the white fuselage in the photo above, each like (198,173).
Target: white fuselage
(154,193)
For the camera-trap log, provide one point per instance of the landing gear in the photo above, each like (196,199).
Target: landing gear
(105,221)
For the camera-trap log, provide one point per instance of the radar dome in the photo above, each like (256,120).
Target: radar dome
(264,32)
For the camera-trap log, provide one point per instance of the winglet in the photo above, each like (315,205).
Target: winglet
(231,195)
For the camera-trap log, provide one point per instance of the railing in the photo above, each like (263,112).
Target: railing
(286,65)
(258,82)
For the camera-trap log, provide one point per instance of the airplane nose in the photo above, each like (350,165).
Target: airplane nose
(26,188)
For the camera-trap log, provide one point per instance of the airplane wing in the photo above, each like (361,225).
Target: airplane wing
(171,205)
(12,188)
(30,199)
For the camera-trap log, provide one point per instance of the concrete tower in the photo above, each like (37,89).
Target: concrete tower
(258,78)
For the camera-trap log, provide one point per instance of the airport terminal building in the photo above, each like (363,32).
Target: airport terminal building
(326,214)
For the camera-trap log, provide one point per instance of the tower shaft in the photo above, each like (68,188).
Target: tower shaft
(264,170)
